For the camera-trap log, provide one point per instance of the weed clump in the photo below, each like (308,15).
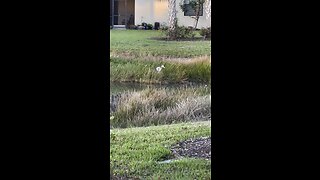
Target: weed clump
(162,106)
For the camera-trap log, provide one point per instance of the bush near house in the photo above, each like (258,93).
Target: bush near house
(180,33)
(205,32)
(149,26)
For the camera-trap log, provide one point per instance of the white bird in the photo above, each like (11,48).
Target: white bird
(158,69)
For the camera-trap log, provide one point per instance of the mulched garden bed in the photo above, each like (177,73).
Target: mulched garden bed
(194,148)
(184,39)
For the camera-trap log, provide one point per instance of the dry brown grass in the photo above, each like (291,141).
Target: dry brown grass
(162,106)
(128,56)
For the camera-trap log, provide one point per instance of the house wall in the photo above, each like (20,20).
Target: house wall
(151,11)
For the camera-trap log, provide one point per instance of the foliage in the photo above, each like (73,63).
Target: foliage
(205,32)
(149,26)
(196,6)
(164,26)
(180,32)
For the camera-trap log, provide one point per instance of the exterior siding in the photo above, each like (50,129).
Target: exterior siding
(151,11)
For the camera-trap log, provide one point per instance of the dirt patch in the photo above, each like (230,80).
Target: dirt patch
(122,178)
(181,39)
(189,60)
(196,148)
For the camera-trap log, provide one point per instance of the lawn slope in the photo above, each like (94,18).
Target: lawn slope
(136,152)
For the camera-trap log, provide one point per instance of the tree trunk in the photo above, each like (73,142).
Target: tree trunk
(172,15)
(208,8)
(196,23)
(198,9)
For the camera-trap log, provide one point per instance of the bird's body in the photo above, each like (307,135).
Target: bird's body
(158,69)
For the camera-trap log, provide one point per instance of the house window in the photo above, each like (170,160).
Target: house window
(191,8)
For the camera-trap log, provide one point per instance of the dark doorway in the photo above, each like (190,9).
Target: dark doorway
(122,12)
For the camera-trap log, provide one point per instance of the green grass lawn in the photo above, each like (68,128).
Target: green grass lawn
(139,43)
(135,152)
(134,55)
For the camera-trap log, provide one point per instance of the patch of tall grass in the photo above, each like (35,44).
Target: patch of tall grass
(144,71)
(162,106)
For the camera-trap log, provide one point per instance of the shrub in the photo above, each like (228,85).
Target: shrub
(163,26)
(180,32)
(205,32)
(149,26)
